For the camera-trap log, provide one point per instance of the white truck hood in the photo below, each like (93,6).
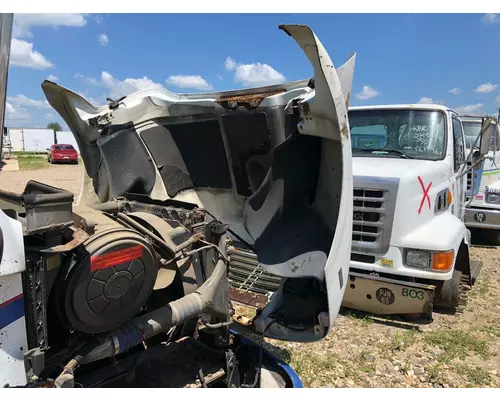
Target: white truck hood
(274,163)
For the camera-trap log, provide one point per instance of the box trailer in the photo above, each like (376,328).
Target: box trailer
(38,140)
(66,137)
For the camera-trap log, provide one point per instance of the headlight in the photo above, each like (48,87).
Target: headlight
(417,259)
(493,198)
(439,261)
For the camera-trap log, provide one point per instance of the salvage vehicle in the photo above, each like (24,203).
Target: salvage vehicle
(482,214)
(129,287)
(410,248)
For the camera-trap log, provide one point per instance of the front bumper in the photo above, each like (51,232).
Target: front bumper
(384,296)
(482,218)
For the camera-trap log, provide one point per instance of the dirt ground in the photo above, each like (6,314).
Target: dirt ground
(363,351)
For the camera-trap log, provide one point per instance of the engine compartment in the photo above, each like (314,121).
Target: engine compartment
(125,285)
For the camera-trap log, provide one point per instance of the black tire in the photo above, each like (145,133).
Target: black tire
(492,236)
(449,296)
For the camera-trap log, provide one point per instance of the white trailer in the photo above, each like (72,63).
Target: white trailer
(15,137)
(67,137)
(38,140)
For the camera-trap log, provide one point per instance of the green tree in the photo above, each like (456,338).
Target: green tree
(55,126)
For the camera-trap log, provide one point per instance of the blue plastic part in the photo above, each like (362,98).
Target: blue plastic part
(289,371)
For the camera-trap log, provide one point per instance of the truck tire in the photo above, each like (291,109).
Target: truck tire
(492,236)
(449,297)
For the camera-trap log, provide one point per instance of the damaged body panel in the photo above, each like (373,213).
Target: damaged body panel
(272,163)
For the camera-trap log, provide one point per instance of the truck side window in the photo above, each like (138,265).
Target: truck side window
(458,144)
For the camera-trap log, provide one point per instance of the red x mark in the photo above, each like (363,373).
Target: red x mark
(425,195)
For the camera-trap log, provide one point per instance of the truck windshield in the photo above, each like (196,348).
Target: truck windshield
(398,133)
(471,130)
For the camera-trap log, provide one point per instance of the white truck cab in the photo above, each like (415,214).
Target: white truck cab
(483,208)
(410,246)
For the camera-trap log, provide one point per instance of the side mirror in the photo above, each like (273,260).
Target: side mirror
(488,129)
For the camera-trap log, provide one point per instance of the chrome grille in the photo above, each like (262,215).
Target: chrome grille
(468,192)
(373,214)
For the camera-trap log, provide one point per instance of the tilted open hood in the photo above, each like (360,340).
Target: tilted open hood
(274,163)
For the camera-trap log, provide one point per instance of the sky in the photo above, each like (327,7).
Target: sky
(450,59)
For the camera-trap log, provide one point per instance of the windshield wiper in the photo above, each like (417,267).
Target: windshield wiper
(400,153)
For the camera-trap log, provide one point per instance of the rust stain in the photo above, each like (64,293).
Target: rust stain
(248,298)
(79,237)
(345,131)
(252,100)
(348,99)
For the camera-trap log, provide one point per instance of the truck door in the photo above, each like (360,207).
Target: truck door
(459,185)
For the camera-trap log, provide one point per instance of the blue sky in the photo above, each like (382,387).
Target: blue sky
(452,59)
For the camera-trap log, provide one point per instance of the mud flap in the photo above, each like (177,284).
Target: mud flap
(384,296)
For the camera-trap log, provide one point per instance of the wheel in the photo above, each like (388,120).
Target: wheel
(449,297)
(492,236)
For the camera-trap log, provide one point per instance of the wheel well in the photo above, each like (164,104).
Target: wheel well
(462,262)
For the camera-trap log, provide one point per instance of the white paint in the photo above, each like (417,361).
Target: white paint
(38,139)
(13,336)
(16,139)
(13,261)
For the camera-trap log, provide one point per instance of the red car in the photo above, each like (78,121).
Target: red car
(62,153)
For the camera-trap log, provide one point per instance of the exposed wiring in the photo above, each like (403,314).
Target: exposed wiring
(258,369)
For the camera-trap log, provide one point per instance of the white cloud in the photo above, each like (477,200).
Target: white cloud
(119,88)
(429,100)
(485,88)
(23,22)
(23,55)
(22,100)
(367,93)
(255,74)
(230,64)
(16,113)
(189,81)
(455,91)
(48,116)
(52,78)
(89,80)
(98,18)
(103,39)
(472,109)
(219,77)
(491,18)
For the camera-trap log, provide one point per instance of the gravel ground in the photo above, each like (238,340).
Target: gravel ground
(364,351)
(63,176)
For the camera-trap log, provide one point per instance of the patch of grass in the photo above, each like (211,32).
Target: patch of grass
(476,376)
(434,371)
(311,367)
(363,318)
(30,163)
(28,153)
(401,341)
(492,330)
(456,344)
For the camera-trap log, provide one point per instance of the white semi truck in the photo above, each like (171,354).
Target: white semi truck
(410,248)
(482,214)
(129,287)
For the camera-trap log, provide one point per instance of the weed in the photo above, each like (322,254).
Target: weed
(401,341)
(30,163)
(492,330)
(476,376)
(456,344)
